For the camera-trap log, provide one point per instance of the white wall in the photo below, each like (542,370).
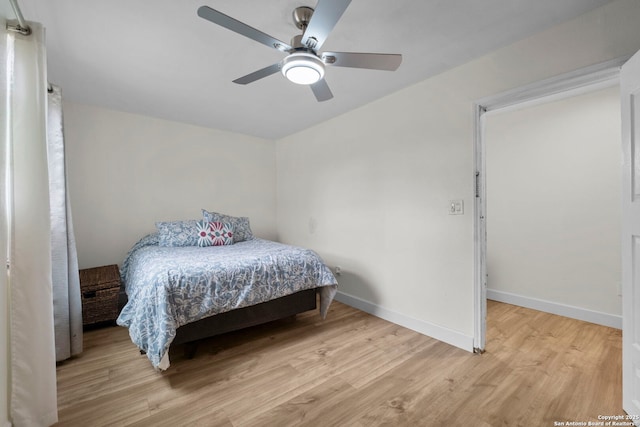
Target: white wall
(128,171)
(370,190)
(553,201)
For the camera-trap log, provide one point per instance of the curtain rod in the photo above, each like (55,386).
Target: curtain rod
(22,26)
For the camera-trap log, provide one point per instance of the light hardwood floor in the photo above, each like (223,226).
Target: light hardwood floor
(352,369)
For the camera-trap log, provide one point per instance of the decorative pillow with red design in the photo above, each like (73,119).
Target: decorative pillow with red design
(241,228)
(214,233)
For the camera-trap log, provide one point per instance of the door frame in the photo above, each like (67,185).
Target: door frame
(565,85)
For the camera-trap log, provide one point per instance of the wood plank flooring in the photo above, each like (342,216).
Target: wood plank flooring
(352,369)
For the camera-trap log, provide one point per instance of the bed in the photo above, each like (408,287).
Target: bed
(178,294)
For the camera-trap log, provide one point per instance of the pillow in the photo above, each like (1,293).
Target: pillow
(214,233)
(177,233)
(241,228)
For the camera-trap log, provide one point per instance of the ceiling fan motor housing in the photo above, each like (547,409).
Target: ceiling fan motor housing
(296,43)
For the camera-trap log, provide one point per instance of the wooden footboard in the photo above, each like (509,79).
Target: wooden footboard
(248,316)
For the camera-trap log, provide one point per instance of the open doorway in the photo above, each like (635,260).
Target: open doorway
(553,175)
(530,173)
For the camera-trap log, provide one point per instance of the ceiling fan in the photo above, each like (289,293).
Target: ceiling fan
(304,64)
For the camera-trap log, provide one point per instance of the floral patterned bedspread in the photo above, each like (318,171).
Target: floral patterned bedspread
(168,287)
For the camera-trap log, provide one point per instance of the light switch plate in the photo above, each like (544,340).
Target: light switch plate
(456,207)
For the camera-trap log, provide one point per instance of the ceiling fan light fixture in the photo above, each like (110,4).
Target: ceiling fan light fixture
(303,68)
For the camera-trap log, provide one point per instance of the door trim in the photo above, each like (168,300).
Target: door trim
(565,85)
(629,90)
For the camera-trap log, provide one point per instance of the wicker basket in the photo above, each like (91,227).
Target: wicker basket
(100,287)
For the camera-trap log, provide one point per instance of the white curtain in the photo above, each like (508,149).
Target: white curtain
(4,237)
(32,361)
(67,303)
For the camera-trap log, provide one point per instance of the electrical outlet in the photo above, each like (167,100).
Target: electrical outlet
(338,270)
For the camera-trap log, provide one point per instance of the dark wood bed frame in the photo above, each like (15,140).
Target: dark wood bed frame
(241,318)
(245,317)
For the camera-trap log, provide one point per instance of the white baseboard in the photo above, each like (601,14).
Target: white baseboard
(440,333)
(578,313)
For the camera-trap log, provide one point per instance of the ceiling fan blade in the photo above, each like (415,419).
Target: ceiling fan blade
(241,28)
(321,90)
(324,18)
(373,61)
(257,75)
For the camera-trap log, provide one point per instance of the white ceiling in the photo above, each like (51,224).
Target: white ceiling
(158,58)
